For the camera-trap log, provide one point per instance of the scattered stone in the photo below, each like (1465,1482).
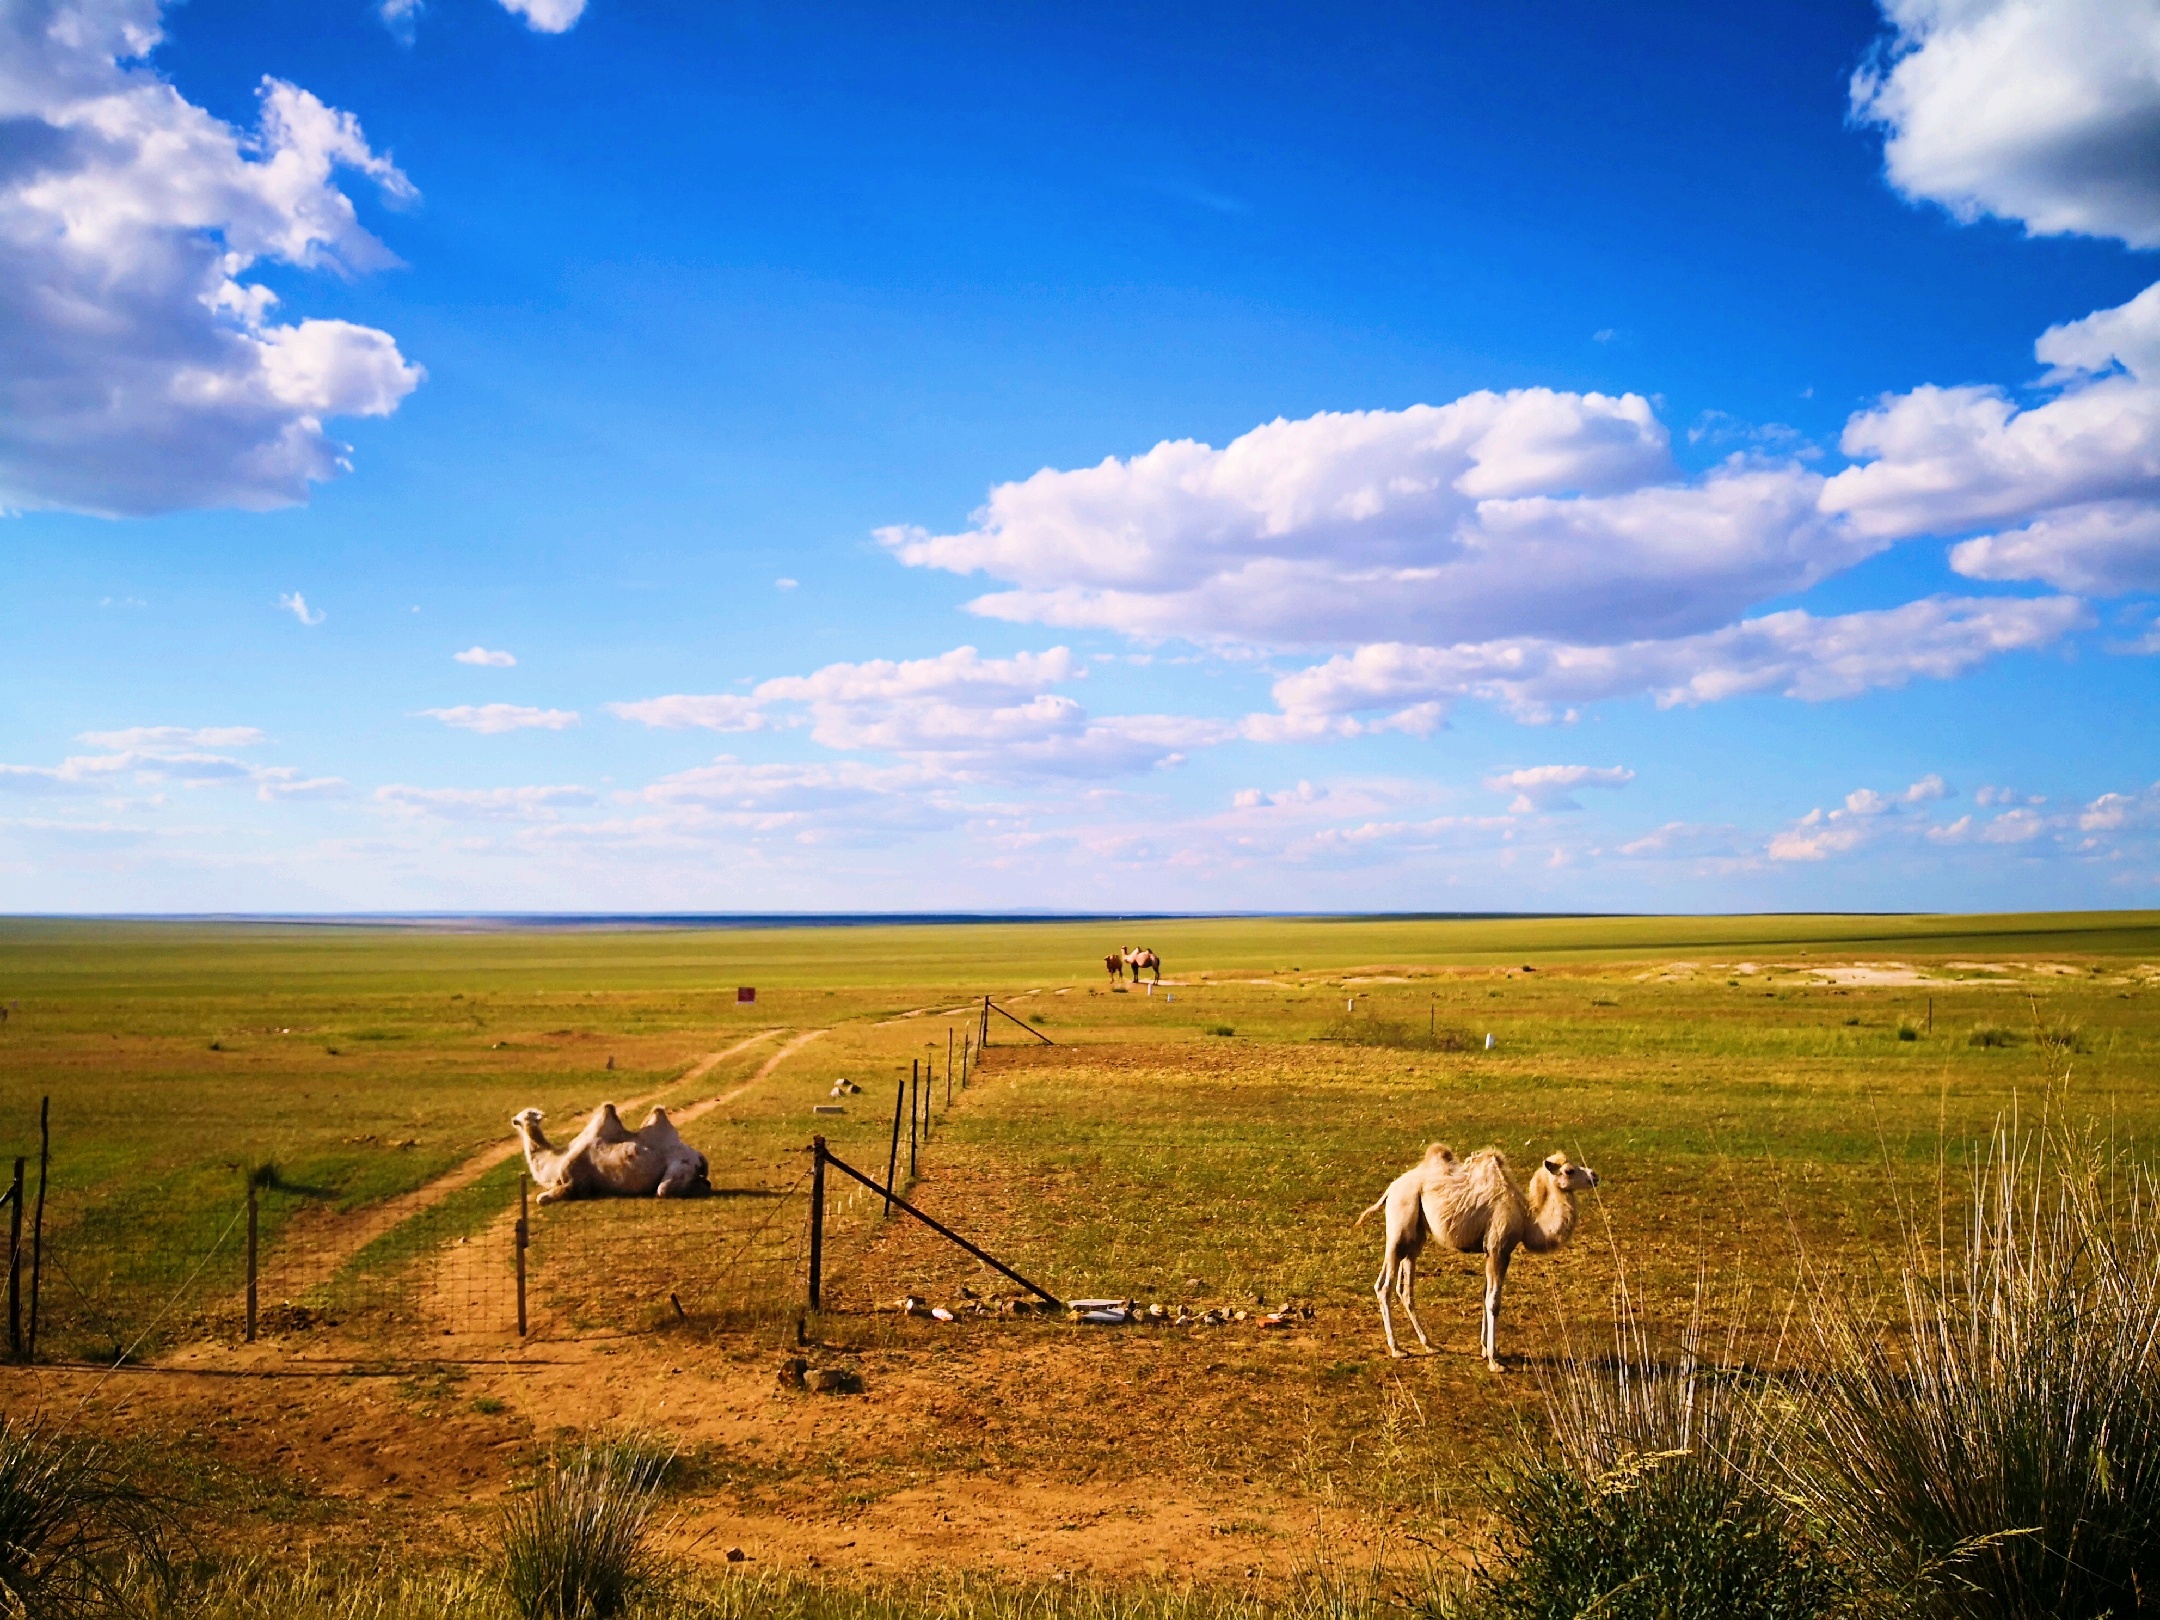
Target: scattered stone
(835,1381)
(911,1306)
(941,1314)
(791,1372)
(736,1555)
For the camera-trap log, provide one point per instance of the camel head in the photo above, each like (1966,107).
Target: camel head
(1569,1177)
(525,1118)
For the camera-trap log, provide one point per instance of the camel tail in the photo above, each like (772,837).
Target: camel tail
(1373,1208)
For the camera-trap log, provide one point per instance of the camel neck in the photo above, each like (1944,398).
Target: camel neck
(1552,1214)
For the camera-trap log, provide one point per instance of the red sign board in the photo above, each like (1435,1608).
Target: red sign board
(746,992)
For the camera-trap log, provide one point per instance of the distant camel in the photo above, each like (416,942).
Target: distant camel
(1115,964)
(1472,1206)
(1138,957)
(604,1160)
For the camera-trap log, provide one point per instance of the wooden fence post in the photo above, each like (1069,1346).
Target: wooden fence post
(983,1039)
(37,1224)
(817,1219)
(948,1065)
(251,1260)
(524,1237)
(14,1275)
(914,1107)
(967,1045)
(892,1158)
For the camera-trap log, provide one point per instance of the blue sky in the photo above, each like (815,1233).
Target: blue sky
(1261,457)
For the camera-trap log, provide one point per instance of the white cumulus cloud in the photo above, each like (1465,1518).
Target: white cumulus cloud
(1793,653)
(1552,787)
(1527,513)
(143,371)
(959,709)
(297,605)
(546,16)
(499,717)
(2046,112)
(485,658)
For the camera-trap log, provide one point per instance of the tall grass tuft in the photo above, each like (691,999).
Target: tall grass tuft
(1653,1499)
(1987,1435)
(576,1545)
(72,1528)
(1989,1035)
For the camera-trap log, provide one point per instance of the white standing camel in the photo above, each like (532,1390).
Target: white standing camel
(1472,1206)
(606,1160)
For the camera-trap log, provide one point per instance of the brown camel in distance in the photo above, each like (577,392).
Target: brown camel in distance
(1472,1206)
(1115,964)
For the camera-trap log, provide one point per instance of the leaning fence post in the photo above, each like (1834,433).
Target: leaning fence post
(817,1219)
(524,1236)
(37,1224)
(892,1159)
(14,1275)
(251,1260)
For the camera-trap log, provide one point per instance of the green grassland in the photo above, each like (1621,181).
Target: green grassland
(1719,1085)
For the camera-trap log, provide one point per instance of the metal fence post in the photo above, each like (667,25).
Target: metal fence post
(948,1065)
(37,1224)
(914,1108)
(817,1219)
(892,1159)
(14,1275)
(251,1261)
(983,1039)
(524,1234)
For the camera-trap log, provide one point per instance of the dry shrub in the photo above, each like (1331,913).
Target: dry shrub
(575,1546)
(1987,1436)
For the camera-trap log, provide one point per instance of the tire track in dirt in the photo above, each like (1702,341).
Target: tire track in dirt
(324,1251)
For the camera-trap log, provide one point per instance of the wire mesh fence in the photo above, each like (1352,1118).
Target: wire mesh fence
(132,1276)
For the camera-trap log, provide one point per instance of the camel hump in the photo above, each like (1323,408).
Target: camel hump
(1440,1150)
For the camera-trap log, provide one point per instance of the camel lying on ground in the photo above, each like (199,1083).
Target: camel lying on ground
(1472,1206)
(605,1160)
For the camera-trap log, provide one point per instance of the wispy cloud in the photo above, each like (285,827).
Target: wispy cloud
(485,658)
(296,604)
(493,718)
(1552,787)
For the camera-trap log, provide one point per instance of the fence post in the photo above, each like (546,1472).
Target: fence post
(37,1224)
(983,1040)
(967,1043)
(892,1159)
(914,1108)
(817,1219)
(524,1236)
(948,1065)
(251,1260)
(14,1275)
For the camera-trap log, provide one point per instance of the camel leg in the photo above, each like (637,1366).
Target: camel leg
(1496,1266)
(1406,1290)
(1380,1292)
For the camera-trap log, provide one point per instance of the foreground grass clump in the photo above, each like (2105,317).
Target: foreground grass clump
(388,1591)
(71,1526)
(1996,1454)
(1652,1500)
(575,1546)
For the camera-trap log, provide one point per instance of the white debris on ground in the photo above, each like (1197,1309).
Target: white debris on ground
(1103,1312)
